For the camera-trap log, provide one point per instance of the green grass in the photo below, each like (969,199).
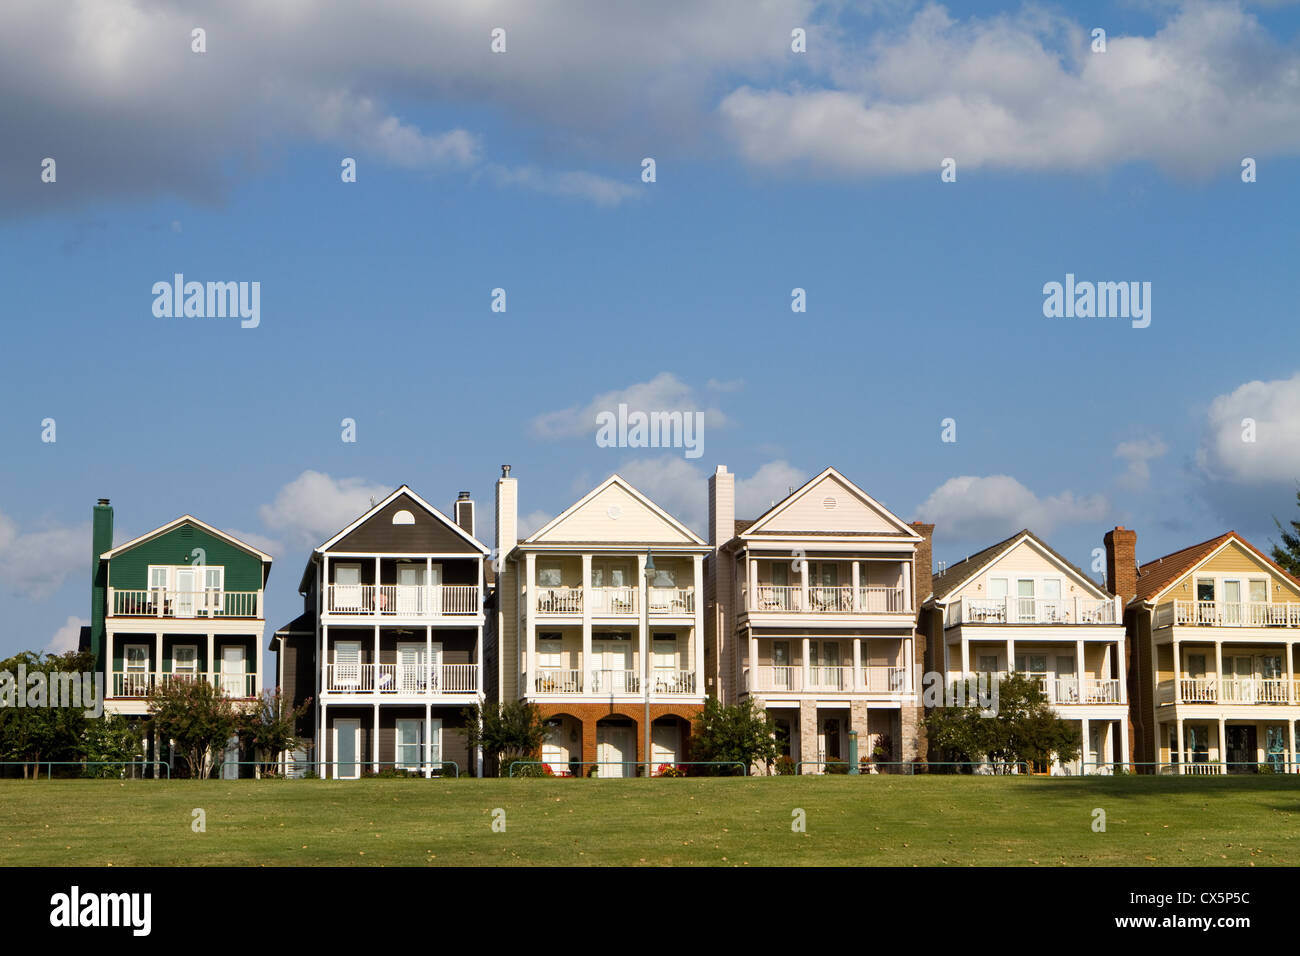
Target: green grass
(926,821)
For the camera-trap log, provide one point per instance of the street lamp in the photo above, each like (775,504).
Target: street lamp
(645,652)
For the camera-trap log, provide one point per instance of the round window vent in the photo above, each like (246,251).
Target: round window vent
(403,517)
(614,511)
(829,503)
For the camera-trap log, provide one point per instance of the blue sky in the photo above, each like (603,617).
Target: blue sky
(774,171)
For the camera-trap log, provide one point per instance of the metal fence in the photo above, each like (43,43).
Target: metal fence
(49,766)
(638,764)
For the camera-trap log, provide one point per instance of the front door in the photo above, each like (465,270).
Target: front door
(1242,756)
(347,746)
(615,750)
(829,739)
(1275,747)
(187,586)
(410,589)
(555,751)
(232,671)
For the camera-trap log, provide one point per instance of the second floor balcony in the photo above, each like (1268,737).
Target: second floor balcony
(604,682)
(168,603)
(1227,614)
(394,679)
(789,599)
(403,600)
(613,601)
(1028,610)
(1228,690)
(139,684)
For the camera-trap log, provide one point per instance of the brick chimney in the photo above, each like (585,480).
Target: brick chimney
(924,561)
(464,512)
(1121,563)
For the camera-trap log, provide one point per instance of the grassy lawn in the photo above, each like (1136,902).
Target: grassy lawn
(927,821)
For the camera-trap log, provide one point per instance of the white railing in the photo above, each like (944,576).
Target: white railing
(1230,690)
(559,600)
(402,600)
(1070,690)
(401,679)
(1256,690)
(875,679)
(550,680)
(1228,614)
(1025,610)
(137,684)
(826,600)
(669,681)
(609,600)
(161,602)
(615,682)
(671,600)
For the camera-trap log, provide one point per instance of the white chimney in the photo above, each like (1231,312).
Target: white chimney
(722,507)
(507,514)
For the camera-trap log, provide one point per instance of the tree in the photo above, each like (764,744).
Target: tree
(506,732)
(107,743)
(1287,554)
(1024,729)
(270,728)
(39,730)
(198,718)
(743,732)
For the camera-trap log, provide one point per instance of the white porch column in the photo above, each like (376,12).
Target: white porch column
(753,663)
(909,662)
(697,632)
(965,656)
(1290,675)
(1121,727)
(803,584)
(530,625)
(1087,740)
(1011,654)
(374,743)
(856,577)
(1178,689)
(322,744)
(642,649)
(1182,752)
(212,665)
(804,666)
(753,582)
(111,681)
(323,661)
(1290,747)
(584,666)
(1121,675)
(1223,738)
(428,661)
(857,662)
(1079,669)
(426,604)
(378,592)
(158,659)
(1218,670)
(374,670)
(428,733)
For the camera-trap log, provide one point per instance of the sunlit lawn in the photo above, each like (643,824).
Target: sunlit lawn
(906,821)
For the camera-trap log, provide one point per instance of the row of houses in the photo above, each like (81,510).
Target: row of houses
(618,621)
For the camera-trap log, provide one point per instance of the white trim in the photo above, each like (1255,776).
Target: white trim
(616,479)
(108,555)
(405,489)
(1249,548)
(1092,586)
(865,498)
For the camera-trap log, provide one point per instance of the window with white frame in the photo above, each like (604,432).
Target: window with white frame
(549,576)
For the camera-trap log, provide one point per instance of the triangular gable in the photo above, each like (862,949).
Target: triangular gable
(432,531)
(614,512)
(1265,563)
(186,519)
(1027,539)
(830,502)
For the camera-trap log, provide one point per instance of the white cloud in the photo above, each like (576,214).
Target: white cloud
(68,637)
(663,393)
(1273,457)
(570,184)
(532,521)
(36,563)
(1139,453)
(771,483)
(1025,92)
(986,508)
(260,541)
(314,506)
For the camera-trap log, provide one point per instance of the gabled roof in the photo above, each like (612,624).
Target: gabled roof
(406,490)
(186,519)
(619,482)
(1158,576)
(957,575)
(760,525)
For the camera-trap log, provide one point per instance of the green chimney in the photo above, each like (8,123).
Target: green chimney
(101,540)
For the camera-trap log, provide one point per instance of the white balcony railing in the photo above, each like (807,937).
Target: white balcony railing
(559,600)
(614,682)
(403,600)
(161,602)
(826,600)
(672,600)
(612,601)
(401,679)
(1091,690)
(874,679)
(551,680)
(566,681)
(140,684)
(1025,610)
(1227,614)
(1230,690)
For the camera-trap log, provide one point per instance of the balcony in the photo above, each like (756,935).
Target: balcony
(164,603)
(1027,610)
(401,679)
(613,601)
(403,600)
(140,684)
(602,683)
(1090,690)
(874,679)
(1227,614)
(784,599)
(1229,690)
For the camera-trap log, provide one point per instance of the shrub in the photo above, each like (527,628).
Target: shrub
(785,765)
(836,766)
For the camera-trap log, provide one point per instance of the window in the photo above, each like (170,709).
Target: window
(665,578)
(1052,589)
(988,663)
(1195,665)
(1258,591)
(213,586)
(549,652)
(548,576)
(410,743)
(780,575)
(997,588)
(185,659)
(1204,589)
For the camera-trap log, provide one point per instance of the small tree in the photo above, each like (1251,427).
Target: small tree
(1287,554)
(743,732)
(111,739)
(37,730)
(270,728)
(506,732)
(198,718)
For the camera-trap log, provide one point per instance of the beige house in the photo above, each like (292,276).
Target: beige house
(812,612)
(1020,606)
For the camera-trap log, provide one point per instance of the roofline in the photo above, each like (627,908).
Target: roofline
(1026,534)
(244,545)
(618,479)
(1228,537)
(785,502)
(478,545)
